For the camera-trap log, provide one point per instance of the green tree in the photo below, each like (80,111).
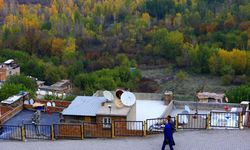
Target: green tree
(10,89)
(27,82)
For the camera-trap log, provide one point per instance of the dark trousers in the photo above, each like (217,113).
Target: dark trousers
(170,143)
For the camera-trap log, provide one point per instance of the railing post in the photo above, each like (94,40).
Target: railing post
(241,120)
(113,130)
(145,128)
(176,122)
(23,133)
(52,133)
(82,132)
(208,120)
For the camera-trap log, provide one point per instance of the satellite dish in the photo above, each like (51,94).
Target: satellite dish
(118,93)
(128,98)
(108,95)
(31,101)
(49,104)
(26,102)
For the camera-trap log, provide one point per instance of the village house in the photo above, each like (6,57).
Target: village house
(8,68)
(96,109)
(60,88)
(15,100)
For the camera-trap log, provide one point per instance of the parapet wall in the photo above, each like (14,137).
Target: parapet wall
(139,96)
(204,106)
(10,114)
(59,105)
(4,109)
(168,110)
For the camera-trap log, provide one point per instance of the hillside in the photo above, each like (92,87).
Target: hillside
(74,38)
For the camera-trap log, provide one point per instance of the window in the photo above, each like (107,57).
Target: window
(106,122)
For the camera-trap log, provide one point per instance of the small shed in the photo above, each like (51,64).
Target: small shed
(83,109)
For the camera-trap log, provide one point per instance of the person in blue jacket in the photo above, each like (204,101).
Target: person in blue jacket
(168,137)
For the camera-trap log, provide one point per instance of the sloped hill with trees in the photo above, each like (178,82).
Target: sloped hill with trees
(66,38)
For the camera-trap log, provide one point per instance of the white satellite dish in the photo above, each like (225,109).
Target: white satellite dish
(49,104)
(128,98)
(108,95)
(26,102)
(31,101)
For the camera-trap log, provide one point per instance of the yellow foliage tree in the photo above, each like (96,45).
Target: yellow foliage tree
(1,4)
(236,59)
(10,20)
(146,18)
(70,45)
(57,46)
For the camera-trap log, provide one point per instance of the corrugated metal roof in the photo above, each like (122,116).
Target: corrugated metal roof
(84,106)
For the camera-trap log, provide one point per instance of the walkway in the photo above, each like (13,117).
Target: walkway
(185,140)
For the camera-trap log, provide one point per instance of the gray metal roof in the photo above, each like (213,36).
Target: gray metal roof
(84,106)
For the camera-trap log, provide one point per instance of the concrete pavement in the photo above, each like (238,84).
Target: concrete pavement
(185,140)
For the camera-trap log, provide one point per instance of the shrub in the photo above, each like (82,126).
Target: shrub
(238,94)
(226,79)
(181,76)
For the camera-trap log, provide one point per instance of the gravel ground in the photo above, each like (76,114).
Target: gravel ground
(185,140)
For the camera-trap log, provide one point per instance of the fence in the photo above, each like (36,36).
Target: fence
(97,130)
(8,132)
(156,125)
(128,128)
(192,121)
(67,131)
(225,119)
(33,131)
(123,128)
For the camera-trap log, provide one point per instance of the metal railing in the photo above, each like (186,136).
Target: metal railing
(33,131)
(156,125)
(128,128)
(97,130)
(124,128)
(67,131)
(192,121)
(225,119)
(9,132)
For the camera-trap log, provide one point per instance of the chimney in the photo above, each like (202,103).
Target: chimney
(168,97)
